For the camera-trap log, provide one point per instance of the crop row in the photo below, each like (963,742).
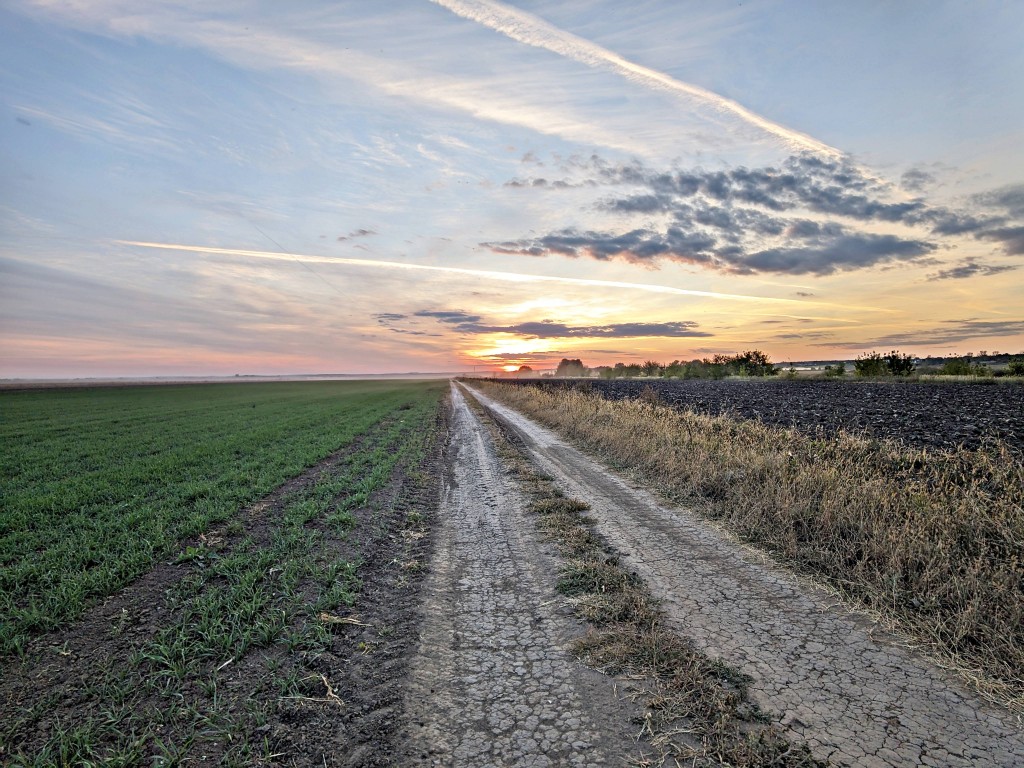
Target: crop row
(98,484)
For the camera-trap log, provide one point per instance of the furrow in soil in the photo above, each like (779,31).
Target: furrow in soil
(492,683)
(848,688)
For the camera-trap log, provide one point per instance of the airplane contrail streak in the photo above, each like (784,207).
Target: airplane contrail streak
(531,30)
(510,277)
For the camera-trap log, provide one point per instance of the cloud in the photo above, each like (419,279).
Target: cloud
(331,53)
(510,277)
(41,301)
(916,179)
(822,185)
(946,222)
(804,216)
(1012,238)
(1009,198)
(970,267)
(355,234)
(950,331)
(457,317)
(842,254)
(638,246)
(548,330)
(531,30)
(809,335)
(830,255)
(464,322)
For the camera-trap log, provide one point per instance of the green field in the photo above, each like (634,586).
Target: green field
(99,484)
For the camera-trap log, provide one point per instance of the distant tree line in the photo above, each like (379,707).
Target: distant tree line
(756,363)
(750,363)
(970,365)
(896,363)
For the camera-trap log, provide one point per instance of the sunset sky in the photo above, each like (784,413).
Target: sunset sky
(266,187)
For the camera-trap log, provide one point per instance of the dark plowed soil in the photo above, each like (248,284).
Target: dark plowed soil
(920,414)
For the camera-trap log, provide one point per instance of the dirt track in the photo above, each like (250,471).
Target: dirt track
(492,683)
(850,690)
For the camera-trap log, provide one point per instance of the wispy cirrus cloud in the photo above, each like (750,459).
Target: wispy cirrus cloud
(322,47)
(947,332)
(531,30)
(511,277)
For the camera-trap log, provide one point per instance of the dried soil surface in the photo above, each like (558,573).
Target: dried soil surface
(492,683)
(853,692)
(921,414)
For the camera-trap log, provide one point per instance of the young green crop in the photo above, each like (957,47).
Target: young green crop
(259,606)
(96,484)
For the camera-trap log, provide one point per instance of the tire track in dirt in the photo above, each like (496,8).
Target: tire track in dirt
(492,683)
(847,688)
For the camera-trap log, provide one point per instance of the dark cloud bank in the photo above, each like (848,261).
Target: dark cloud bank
(747,221)
(463,322)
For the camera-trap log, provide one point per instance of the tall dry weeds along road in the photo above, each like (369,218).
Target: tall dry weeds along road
(846,687)
(492,683)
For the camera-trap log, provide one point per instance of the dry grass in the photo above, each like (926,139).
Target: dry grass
(931,540)
(697,711)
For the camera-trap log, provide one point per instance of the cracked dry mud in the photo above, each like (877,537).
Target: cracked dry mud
(492,683)
(847,688)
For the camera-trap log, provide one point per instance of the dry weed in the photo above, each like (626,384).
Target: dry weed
(933,540)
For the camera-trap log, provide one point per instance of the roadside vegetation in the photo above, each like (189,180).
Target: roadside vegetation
(697,709)
(931,540)
(894,363)
(240,642)
(98,484)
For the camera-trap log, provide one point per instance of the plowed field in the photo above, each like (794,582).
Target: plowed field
(924,414)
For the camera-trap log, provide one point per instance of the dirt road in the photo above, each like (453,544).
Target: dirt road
(492,683)
(847,688)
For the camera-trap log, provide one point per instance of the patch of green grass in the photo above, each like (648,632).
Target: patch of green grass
(98,484)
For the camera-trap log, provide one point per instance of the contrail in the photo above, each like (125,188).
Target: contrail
(509,277)
(529,29)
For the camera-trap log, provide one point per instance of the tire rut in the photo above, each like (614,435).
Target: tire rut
(849,689)
(492,683)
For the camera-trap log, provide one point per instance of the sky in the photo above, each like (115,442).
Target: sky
(257,187)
